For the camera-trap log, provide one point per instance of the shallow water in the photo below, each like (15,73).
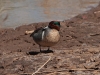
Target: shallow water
(14,13)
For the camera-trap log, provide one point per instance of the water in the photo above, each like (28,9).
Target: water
(14,13)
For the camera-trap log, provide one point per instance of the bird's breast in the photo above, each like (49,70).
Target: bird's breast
(52,36)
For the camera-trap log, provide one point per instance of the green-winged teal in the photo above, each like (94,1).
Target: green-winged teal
(47,36)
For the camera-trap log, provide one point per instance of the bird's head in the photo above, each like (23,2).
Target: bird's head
(54,25)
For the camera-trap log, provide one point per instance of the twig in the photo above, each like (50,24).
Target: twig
(29,32)
(42,66)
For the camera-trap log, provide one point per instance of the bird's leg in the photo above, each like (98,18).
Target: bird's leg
(40,48)
(48,48)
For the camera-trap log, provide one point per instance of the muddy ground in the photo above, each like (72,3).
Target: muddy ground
(77,53)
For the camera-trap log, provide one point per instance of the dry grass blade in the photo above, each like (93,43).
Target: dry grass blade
(42,66)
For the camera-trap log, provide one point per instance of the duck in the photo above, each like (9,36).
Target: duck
(47,36)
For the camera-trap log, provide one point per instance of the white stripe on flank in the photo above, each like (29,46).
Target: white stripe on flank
(44,32)
(42,35)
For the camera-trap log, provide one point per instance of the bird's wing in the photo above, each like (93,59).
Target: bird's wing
(36,31)
(41,29)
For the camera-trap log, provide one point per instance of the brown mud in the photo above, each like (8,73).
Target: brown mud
(77,52)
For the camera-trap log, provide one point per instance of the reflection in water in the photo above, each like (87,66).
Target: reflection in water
(14,13)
